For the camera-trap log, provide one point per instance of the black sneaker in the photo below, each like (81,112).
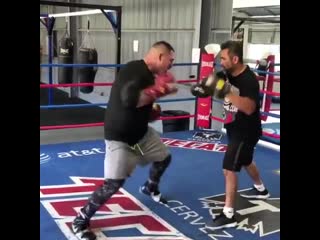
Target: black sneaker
(254,193)
(80,228)
(155,194)
(221,221)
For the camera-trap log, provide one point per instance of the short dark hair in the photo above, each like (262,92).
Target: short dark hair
(234,48)
(165,44)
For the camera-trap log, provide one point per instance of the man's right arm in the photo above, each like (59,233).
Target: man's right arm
(130,94)
(158,90)
(133,96)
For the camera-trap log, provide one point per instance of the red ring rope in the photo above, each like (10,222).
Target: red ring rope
(110,84)
(101,123)
(161,118)
(93,84)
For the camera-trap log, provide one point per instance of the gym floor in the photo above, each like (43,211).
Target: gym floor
(194,185)
(71,165)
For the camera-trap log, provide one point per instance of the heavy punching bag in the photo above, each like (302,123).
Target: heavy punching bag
(262,65)
(65,56)
(87,74)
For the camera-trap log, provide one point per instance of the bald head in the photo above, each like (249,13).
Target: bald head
(160,57)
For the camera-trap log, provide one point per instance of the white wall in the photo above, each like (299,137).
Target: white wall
(258,51)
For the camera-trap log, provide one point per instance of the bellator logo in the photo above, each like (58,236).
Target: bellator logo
(122,211)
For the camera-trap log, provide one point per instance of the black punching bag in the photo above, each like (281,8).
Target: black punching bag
(262,66)
(87,74)
(65,56)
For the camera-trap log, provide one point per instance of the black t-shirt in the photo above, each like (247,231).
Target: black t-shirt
(238,123)
(123,120)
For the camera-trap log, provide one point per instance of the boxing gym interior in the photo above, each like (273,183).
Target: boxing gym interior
(83,45)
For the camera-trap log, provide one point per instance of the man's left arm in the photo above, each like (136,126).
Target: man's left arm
(245,103)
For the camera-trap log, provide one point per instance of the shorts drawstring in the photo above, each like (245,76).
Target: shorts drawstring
(137,148)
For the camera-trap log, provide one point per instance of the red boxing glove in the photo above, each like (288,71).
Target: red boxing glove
(165,77)
(159,89)
(155,112)
(164,85)
(168,78)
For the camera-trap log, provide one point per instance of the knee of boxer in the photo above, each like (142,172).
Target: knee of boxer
(165,163)
(104,192)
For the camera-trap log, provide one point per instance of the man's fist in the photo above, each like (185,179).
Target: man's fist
(222,86)
(169,79)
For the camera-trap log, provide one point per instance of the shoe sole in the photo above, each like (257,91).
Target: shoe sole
(79,234)
(230,225)
(155,199)
(263,197)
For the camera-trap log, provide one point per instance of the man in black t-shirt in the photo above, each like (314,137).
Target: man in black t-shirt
(238,87)
(129,139)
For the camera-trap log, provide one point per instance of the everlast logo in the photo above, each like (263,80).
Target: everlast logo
(64,51)
(203,117)
(207,64)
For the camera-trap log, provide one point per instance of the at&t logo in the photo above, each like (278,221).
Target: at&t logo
(44,158)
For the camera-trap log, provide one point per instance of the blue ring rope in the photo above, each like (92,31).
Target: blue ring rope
(121,65)
(256,70)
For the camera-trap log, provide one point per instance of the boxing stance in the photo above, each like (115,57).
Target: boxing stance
(238,87)
(129,140)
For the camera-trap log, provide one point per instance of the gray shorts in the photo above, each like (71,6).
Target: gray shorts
(121,159)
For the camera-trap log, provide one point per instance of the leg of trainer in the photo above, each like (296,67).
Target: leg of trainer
(258,191)
(253,172)
(232,163)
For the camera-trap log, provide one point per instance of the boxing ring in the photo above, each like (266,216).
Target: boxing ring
(194,183)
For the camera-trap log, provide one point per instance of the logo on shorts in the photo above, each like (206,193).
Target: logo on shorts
(260,217)
(207,136)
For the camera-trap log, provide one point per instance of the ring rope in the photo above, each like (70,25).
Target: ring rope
(101,123)
(110,84)
(160,118)
(54,85)
(121,65)
(262,78)
(277,136)
(80,105)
